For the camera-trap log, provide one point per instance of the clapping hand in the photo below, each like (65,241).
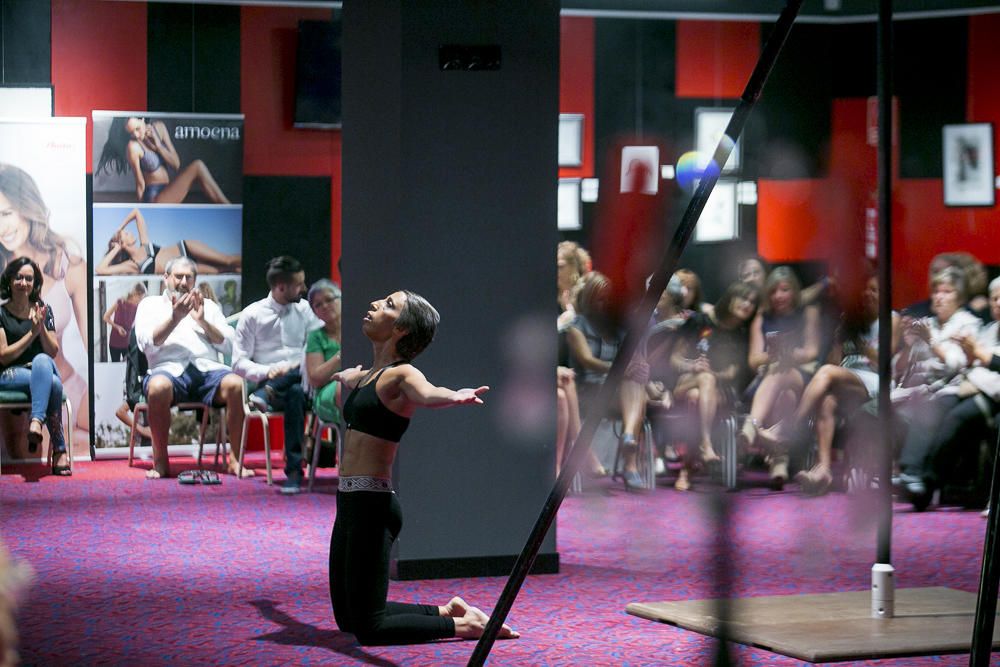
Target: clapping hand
(970,346)
(37,317)
(183,304)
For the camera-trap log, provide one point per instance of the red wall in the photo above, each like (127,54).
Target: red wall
(715,58)
(797,219)
(576,85)
(272,147)
(90,69)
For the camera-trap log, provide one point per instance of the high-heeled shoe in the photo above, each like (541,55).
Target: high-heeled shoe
(34,435)
(60,470)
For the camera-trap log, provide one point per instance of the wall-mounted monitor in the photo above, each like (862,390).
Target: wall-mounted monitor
(317,75)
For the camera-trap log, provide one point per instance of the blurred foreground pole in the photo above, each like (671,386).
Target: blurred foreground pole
(636,328)
(885,131)
(989,578)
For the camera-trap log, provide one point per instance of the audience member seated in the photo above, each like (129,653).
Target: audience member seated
(975,280)
(28,346)
(752,271)
(938,263)
(930,359)
(593,339)
(784,344)
(712,364)
(692,298)
(182,334)
(572,262)
(323,350)
(970,406)
(848,380)
(569,271)
(270,337)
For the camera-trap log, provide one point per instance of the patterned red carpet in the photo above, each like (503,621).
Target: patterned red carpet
(129,572)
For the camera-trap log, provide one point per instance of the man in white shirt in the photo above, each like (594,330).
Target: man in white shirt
(268,349)
(181,335)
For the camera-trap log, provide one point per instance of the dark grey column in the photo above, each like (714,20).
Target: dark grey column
(449,190)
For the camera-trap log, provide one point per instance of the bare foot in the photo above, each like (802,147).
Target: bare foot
(246,473)
(683,482)
(708,454)
(456,608)
(473,623)
(815,482)
(156,474)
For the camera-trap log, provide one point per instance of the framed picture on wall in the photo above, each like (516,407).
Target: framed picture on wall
(570,139)
(969,179)
(569,204)
(720,220)
(710,124)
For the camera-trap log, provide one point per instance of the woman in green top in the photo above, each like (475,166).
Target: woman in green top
(323,350)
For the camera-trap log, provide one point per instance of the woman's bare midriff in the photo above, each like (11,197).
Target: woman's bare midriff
(367,455)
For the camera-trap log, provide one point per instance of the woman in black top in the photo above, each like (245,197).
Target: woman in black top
(28,345)
(377,412)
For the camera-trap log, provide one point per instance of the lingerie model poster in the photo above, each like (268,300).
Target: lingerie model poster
(43,216)
(165,186)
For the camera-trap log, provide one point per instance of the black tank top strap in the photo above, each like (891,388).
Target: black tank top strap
(365,412)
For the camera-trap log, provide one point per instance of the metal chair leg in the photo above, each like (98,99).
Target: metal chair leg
(648,456)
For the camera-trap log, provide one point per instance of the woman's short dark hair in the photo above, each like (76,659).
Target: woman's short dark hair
(12,269)
(280,270)
(735,291)
(419,318)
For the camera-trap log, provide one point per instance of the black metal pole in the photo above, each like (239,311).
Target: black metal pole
(989,578)
(885,130)
(657,284)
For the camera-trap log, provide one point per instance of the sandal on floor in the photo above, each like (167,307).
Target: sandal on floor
(189,477)
(210,477)
(61,470)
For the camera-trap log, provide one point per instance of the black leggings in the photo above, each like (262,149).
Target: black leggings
(367,524)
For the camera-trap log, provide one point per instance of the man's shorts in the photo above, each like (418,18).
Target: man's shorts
(192,385)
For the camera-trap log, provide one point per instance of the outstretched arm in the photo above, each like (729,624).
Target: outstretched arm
(422,393)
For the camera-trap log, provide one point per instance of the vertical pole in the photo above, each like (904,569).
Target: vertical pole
(657,283)
(989,578)
(885,132)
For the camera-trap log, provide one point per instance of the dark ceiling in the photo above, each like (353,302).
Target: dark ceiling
(832,11)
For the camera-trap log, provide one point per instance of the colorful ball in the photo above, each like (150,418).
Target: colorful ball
(694,166)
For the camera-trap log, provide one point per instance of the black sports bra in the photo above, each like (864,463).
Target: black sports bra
(365,412)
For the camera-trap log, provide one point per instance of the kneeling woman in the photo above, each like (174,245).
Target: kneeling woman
(28,345)
(369,517)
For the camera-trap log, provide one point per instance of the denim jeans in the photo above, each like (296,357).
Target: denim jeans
(41,382)
(285,394)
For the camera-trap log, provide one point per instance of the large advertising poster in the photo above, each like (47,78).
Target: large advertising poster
(43,215)
(165,186)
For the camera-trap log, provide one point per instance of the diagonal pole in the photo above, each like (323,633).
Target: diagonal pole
(657,284)
(989,578)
